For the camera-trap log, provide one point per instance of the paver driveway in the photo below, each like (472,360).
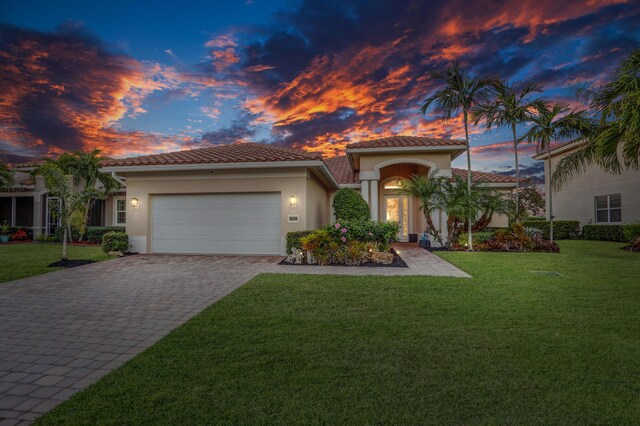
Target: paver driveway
(62,331)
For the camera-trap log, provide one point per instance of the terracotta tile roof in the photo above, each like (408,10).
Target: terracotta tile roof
(235,153)
(483,177)
(405,142)
(341,170)
(343,173)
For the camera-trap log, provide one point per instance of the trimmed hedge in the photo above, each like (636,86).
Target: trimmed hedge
(562,229)
(293,239)
(349,205)
(115,241)
(603,232)
(95,233)
(478,237)
(632,231)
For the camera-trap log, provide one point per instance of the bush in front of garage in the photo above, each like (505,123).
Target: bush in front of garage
(115,242)
(293,239)
(95,233)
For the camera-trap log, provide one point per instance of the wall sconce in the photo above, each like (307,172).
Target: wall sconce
(134,202)
(293,200)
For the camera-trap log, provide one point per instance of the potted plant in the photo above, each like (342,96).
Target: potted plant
(4,233)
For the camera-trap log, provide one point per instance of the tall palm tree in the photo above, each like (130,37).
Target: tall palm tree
(617,107)
(552,123)
(460,93)
(6,176)
(510,106)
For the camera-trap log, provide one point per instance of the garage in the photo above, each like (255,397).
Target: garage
(239,223)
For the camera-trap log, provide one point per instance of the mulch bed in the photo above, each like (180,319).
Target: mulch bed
(630,248)
(70,263)
(397,263)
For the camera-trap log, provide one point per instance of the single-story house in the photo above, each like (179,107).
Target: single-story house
(244,198)
(595,196)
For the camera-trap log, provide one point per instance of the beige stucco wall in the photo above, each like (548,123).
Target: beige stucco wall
(441,160)
(286,182)
(318,208)
(576,199)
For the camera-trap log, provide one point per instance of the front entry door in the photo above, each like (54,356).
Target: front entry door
(397,210)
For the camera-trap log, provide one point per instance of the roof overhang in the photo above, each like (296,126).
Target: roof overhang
(318,165)
(559,150)
(353,154)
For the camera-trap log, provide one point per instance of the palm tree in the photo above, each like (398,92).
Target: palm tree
(617,107)
(426,189)
(460,93)
(552,123)
(6,176)
(452,196)
(511,106)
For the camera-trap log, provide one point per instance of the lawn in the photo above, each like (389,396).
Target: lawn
(25,260)
(508,346)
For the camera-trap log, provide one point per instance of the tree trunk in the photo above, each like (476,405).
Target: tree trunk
(64,245)
(550,195)
(515,150)
(466,135)
(433,231)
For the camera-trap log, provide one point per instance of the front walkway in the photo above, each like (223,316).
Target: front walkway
(62,331)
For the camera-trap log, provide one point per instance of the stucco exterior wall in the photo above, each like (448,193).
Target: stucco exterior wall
(575,200)
(441,160)
(143,186)
(318,208)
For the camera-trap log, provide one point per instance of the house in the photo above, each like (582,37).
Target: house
(244,198)
(595,196)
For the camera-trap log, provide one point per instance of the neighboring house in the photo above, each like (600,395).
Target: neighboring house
(244,198)
(595,196)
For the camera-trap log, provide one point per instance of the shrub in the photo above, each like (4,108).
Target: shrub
(42,238)
(349,205)
(321,245)
(95,233)
(75,234)
(115,241)
(478,237)
(381,233)
(515,238)
(19,235)
(294,237)
(603,232)
(562,229)
(356,253)
(635,244)
(631,231)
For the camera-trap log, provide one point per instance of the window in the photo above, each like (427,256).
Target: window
(120,211)
(608,208)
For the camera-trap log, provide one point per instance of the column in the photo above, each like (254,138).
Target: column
(364,190)
(374,199)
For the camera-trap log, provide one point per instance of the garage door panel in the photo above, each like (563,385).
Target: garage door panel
(216,223)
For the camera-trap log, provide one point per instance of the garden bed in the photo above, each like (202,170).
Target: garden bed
(70,263)
(397,263)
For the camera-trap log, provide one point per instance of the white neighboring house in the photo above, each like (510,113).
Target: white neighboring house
(595,196)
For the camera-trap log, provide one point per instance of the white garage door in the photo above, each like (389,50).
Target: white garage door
(216,223)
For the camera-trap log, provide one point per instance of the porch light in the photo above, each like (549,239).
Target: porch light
(293,200)
(134,202)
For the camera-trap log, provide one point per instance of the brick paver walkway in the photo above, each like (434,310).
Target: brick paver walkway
(62,331)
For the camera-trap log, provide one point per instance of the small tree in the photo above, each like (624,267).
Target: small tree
(461,205)
(71,207)
(426,190)
(530,201)
(349,205)
(85,169)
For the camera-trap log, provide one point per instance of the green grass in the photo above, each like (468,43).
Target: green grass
(25,260)
(506,347)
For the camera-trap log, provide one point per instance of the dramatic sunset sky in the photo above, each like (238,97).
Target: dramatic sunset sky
(136,77)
